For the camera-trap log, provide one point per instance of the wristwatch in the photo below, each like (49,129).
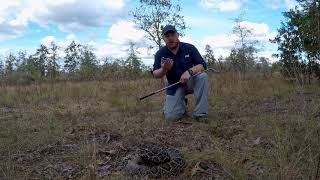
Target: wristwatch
(190,72)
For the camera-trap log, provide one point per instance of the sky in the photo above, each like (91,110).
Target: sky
(107,26)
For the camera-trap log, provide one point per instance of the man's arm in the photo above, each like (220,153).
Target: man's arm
(159,73)
(197,68)
(166,65)
(199,65)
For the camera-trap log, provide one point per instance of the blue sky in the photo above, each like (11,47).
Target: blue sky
(105,24)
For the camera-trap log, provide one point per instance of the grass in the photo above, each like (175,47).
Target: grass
(258,128)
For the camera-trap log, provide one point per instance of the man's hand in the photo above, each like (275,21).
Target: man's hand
(185,77)
(166,64)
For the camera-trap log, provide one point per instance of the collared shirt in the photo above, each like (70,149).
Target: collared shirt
(186,57)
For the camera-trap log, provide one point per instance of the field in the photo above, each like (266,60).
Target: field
(259,128)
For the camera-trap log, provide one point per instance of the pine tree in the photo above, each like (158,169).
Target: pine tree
(41,57)
(10,61)
(53,67)
(133,62)
(88,63)
(209,56)
(72,57)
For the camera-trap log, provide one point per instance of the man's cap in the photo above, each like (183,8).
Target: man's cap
(168,28)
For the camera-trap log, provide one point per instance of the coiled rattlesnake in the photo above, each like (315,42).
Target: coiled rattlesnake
(155,161)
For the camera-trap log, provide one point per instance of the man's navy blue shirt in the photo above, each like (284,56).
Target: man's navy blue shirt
(186,57)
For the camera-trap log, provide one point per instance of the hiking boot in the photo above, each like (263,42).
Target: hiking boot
(203,119)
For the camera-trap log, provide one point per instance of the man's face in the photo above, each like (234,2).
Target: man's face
(171,39)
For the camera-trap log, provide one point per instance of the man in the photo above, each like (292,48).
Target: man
(179,61)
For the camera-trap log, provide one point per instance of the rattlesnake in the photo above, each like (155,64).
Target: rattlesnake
(155,161)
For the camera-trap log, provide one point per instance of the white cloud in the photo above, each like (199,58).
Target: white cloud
(256,28)
(275,4)
(146,55)
(290,4)
(124,32)
(71,15)
(71,37)
(6,7)
(220,41)
(119,36)
(4,52)
(221,52)
(222,5)
(186,39)
(116,45)
(260,31)
(229,5)
(68,15)
(117,51)
(114,4)
(111,50)
(8,27)
(47,40)
(10,31)
(221,44)
(268,54)
(118,39)
(61,43)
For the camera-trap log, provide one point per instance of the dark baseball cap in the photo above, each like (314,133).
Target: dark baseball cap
(168,28)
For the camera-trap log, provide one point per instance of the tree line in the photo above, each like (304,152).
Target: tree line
(78,63)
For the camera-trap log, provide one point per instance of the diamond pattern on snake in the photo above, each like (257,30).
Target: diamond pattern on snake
(155,161)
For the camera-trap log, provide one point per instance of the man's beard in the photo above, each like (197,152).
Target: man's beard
(173,45)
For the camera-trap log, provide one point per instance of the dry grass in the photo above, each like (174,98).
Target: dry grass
(258,129)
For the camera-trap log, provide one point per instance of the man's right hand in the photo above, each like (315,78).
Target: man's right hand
(166,64)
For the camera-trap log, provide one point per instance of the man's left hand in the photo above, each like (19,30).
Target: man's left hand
(185,77)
